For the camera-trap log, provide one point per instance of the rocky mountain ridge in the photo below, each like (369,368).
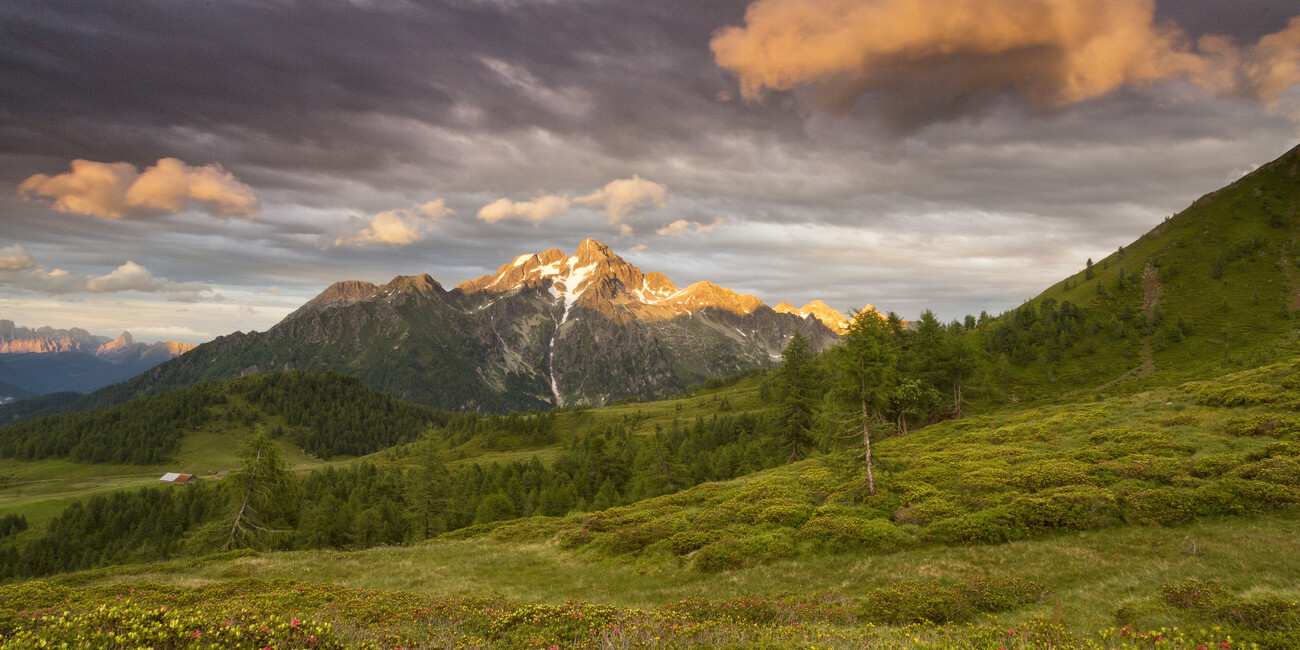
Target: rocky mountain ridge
(546,329)
(47,360)
(16,339)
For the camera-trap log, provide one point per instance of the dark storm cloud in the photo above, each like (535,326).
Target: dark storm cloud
(333,86)
(1243,20)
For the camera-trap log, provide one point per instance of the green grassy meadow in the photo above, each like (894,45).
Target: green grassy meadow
(801,540)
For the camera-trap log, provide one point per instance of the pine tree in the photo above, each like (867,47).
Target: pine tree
(961,357)
(867,377)
(259,494)
(797,381)
(429,489)
(494,507)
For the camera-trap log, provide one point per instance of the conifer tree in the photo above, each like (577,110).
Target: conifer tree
(867,378)
(797,381)
(961,358)
(259,494)
(429,489)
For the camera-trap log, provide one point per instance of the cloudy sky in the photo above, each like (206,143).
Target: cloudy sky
(185,168)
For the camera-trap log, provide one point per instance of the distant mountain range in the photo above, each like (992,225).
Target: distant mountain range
(47,360)
(547,329)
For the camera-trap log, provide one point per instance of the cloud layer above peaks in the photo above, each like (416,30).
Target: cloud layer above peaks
(119,190)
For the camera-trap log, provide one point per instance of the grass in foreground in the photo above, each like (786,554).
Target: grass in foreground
(921,613)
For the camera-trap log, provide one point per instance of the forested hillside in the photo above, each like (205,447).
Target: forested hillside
(326,415)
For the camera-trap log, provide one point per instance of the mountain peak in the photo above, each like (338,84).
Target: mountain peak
(596,278)
(706,294)
(338,294)
(423,283)
(592,250)
(118,347)
(820,311)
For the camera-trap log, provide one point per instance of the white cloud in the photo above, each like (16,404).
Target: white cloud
(119,191)
(14,258)
(619,198)
(682,227)
(536,211)
(178,333)
(396,227)
(19,270)
(133,277)
(128,277)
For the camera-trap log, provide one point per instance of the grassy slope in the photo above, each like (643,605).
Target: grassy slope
(1162,457)
(1089,573)
(1107,575)
(1242,318)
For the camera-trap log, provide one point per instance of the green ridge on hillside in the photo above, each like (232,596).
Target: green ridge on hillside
(1164,457)
(1212,289)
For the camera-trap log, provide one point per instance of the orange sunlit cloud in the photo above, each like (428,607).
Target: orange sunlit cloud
(1050,53)
(119,190)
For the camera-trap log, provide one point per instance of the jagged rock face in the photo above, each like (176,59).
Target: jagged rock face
(822,312)
(546,329)
(45,360)
(23,340)
(47,340)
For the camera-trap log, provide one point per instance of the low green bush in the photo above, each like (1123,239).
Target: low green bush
(1076,507)
(1213,466)
(840,533)
(1042,474)
(1164,506)
(792,515)
(1268,612)
(1246,393)
(1281,471)
(1238,496)
(1277,426)
(689,541)
(1193,593)
(991,526)
(734,552)
(927,511)
(766,610)
(567,625)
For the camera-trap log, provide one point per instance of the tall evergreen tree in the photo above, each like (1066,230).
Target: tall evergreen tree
(260,494)
(797,379)
(961,358)
(866,364)
(429,489)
